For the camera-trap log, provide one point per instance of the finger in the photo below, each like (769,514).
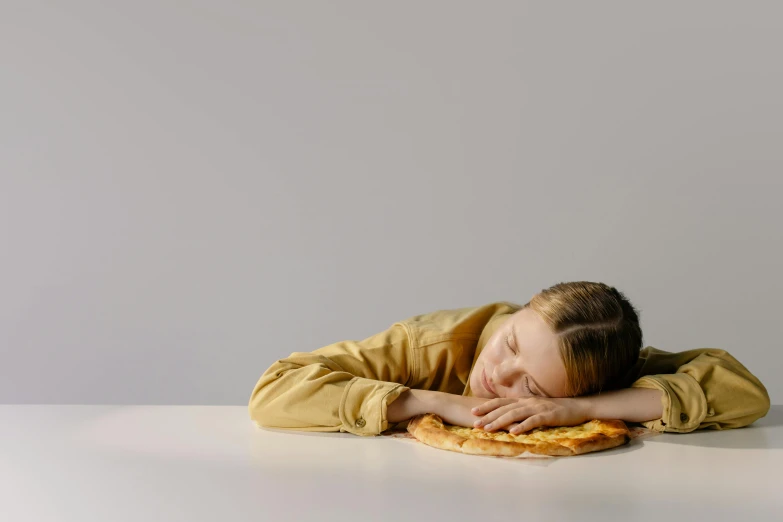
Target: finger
(532,422)
(489,405)
(494,414)
(507,418)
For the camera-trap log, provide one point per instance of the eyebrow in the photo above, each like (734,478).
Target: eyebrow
(514,333)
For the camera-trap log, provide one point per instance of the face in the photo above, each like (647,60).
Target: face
(521,359)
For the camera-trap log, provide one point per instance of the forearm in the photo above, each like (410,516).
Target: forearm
(451,408)
(409,404)
(628,404)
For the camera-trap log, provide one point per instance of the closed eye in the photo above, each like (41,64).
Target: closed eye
(525,382)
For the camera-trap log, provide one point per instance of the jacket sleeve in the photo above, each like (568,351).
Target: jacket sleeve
(712,390)
(343,387)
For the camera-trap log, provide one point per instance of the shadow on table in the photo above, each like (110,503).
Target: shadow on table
(329,434)
(336,434)
(758,435)
(538,461)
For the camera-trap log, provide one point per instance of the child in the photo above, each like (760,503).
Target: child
(571,354)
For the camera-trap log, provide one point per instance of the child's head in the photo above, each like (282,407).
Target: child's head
(598,330)
(570,339)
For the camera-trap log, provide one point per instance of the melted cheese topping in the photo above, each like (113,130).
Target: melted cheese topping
(546,434)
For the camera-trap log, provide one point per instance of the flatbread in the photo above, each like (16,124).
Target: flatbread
(561,441)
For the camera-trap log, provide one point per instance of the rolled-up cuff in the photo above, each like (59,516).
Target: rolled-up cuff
(364,403)
(683,401)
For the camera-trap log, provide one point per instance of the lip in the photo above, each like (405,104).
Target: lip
(486,383)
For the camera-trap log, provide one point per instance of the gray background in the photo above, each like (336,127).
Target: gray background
(190,191)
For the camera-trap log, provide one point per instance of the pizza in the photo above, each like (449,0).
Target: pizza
(593,435)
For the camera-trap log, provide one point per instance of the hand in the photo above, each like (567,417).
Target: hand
(453,409)
(524,414)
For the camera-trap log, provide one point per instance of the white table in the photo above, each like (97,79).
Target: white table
(156,463)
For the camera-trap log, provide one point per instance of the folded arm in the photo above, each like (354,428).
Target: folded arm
(711,390)
(343,387)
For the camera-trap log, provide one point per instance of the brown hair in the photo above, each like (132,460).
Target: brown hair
(598,329)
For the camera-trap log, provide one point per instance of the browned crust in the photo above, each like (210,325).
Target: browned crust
(429,429)
(502,448)
(604,434)
(608,434)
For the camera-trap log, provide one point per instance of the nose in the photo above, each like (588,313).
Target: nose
(505,375)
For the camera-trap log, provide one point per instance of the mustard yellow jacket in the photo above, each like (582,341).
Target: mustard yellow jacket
(347,386)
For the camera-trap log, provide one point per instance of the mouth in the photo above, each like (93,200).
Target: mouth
(485,382)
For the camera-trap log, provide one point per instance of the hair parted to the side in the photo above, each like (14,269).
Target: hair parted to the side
(599,333)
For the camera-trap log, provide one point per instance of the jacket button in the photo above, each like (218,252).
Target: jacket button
(683,417)
(360,422)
